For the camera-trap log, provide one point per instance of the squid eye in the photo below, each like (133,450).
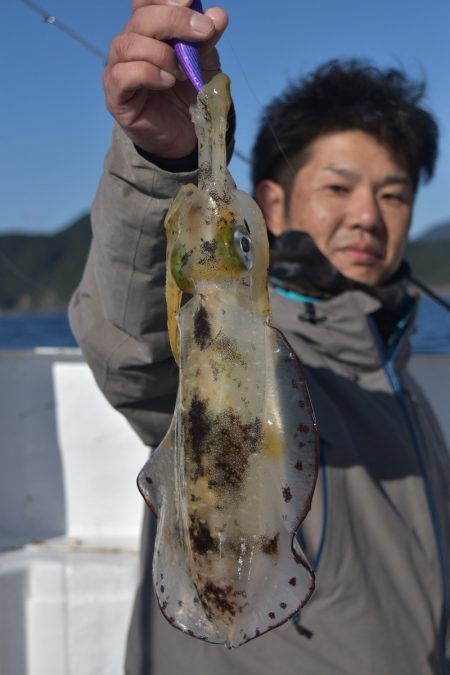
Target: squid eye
(244,247)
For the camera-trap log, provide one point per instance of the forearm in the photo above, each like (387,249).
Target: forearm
(118,313)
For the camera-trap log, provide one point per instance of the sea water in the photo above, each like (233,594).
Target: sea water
(28,331)
(432,334)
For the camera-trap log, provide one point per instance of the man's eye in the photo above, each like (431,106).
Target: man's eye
(394,198)
(338,189)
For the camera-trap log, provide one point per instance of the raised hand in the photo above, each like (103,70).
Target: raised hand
(145,89)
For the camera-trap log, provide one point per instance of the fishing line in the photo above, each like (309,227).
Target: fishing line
(53,21)
(261,107)
(67,30)
(434,296)
(241,156)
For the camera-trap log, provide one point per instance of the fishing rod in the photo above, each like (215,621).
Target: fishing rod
(434,296)
(53,21)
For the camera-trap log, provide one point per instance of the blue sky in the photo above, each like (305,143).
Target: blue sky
(55,129)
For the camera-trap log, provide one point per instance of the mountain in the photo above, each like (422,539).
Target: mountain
(39,272)
(429,256)
(439,232)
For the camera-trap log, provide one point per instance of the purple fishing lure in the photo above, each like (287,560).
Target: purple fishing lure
(188,55)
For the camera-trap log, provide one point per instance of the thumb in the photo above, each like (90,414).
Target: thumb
(209,56)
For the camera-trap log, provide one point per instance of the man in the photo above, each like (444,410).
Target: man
(336,166)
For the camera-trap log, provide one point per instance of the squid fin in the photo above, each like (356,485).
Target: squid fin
(157,473)
(173,292)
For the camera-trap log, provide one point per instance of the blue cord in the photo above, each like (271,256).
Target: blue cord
(292,295)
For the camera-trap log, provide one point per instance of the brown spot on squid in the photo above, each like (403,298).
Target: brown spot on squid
(202,327)
(287,494)
(269,546)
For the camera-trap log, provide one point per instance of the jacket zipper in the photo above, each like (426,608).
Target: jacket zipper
(388,361)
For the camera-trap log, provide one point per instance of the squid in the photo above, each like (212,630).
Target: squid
(233,478)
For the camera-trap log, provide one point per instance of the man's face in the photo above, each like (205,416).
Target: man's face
(355,200)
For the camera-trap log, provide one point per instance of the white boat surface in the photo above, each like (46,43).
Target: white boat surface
(70,518)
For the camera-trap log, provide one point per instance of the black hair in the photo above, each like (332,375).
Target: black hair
(344,96)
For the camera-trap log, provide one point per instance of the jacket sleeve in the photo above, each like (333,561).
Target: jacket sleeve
(118,312)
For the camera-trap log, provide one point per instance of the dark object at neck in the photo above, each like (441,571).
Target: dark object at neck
(297,265)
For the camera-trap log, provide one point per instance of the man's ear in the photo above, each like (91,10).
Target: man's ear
(271,199)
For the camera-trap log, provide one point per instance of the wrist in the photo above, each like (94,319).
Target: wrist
(183,164)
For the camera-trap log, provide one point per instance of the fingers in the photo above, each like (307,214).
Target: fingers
(210,58)
(165,22)
(145,3)
(217,14)
(220,19)
(129,47)
(135,63)
(128,79)
(140,56)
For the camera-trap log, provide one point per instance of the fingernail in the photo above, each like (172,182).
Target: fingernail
(166,77)
(201,24)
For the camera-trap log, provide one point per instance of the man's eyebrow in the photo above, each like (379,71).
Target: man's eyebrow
(341,170)
(393,179)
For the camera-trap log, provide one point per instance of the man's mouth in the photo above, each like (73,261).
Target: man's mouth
(361,253)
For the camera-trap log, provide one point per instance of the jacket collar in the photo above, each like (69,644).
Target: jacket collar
(358,326)
(343,329)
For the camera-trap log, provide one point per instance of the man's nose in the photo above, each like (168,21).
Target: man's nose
(365,211)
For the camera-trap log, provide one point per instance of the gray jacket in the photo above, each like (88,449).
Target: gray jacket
(379,529)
